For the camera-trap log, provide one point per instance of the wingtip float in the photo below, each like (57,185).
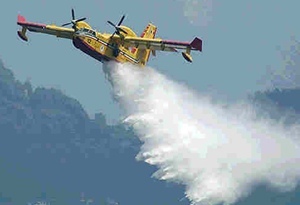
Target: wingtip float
(123,45)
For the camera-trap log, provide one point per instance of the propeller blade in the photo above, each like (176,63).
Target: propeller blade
(73,14)
(111,23)
(117,27)
(112,35)
(122,30)
(82,19)
(121,20)
(66,24)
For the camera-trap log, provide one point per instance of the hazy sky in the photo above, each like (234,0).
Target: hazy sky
(240,42)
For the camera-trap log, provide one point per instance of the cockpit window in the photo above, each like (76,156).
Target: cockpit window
(92,32)
(88,31)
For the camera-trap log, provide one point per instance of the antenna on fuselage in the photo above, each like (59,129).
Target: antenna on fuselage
(74,21)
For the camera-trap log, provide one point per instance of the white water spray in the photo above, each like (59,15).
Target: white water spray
(218,153)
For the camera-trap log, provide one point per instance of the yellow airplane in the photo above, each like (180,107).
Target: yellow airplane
(121,46)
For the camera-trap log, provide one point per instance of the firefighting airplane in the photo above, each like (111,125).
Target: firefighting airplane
(122,46)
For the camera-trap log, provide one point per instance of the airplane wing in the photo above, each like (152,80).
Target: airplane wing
(162,45)
(58,31)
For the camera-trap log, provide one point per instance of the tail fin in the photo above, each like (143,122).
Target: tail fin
(149,31)
(143,54)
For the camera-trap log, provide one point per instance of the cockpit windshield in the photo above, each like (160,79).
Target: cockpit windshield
(87,31)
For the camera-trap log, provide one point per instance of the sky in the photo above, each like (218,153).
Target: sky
(241,44)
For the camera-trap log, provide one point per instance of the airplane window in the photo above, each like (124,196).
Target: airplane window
(92,32)
(88,31)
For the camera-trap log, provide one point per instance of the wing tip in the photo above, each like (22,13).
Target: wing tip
(197,44)
(21,19)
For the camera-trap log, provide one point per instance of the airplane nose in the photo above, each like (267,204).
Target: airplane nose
(76,41)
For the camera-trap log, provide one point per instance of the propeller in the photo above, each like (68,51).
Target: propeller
(74,21)
(117,27)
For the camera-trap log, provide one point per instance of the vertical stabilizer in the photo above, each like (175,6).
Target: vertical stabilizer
(143,54)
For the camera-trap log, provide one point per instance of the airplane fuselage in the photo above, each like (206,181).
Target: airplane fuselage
(122,46)
(99,47)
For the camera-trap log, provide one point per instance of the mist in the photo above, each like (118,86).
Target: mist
(218,152)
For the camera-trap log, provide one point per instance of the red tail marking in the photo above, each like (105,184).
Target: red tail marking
(144,32)
(142,35)
(154,32)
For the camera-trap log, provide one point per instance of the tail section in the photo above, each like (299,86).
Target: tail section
(143,54)
(149,31)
